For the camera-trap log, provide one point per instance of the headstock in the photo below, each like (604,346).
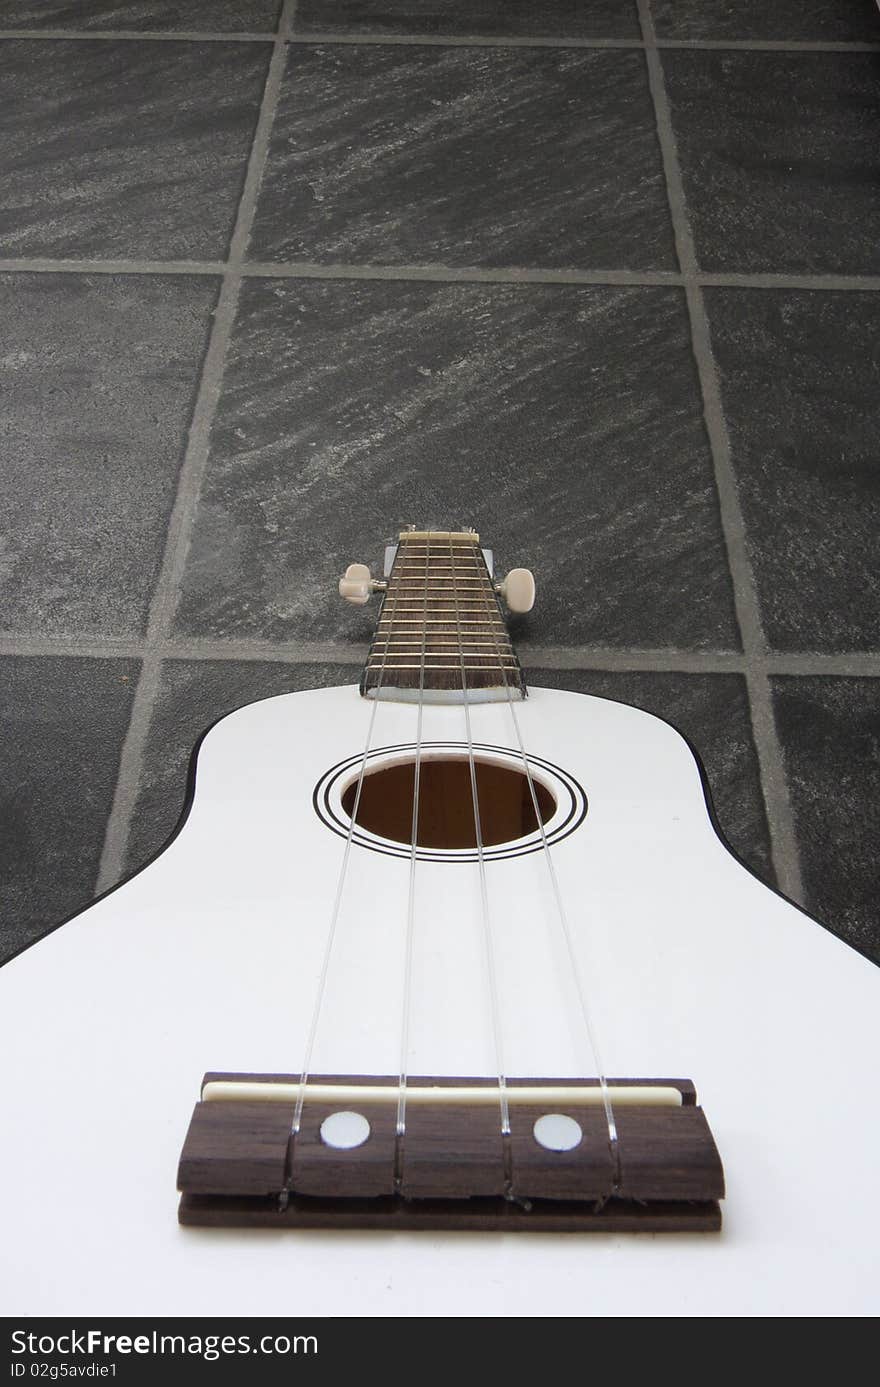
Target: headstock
(440,634)
(357,584)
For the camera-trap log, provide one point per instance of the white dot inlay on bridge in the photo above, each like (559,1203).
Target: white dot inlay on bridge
(345,1130)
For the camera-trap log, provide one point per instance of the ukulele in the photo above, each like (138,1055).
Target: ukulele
(433,955)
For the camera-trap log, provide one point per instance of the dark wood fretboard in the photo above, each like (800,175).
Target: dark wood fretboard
(441,632)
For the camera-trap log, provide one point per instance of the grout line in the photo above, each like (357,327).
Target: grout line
(166,591)
(445,274)
(535,657)
(70,647)
(857,664)
(768,45)
(786,860)
(824,282)
(135,36)
(659,661)
(852,664)
(43,265)
(461,41)
(548,41)
(310,270)
(442,40)
(284,652)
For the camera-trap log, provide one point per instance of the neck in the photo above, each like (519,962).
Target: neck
(441,635)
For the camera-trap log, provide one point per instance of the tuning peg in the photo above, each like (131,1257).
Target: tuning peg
(357,586)
(518,590)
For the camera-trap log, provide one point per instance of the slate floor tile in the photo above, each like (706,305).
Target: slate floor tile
(195,694)
(98,375)
(778,154)
(125,149)
(564,423)
(830,731)
(799,384)
(206,16)
(464,156)
(496,18)
(712,712)
(62,724)
(854,21)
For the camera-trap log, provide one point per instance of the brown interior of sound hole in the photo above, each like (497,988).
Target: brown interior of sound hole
(446,806)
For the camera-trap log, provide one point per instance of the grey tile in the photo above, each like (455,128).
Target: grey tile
(63,722)
(712,712)
(794,20)
(97,382)
(464,156)
(208,16)
(193,696)
(564,423)
(500,18)
(830,731)
(799,384)
(133,149)
(779,158)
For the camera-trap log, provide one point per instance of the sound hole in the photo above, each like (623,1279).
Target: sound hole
(446,806)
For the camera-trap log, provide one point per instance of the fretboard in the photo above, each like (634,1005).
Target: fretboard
(441,633)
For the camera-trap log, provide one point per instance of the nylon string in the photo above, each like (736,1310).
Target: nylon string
(411,899)
(484,896)
(565,928)
(340,885)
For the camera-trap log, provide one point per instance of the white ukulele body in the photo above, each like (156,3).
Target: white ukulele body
(210,958)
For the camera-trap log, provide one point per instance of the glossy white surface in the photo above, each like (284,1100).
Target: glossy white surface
(209,960)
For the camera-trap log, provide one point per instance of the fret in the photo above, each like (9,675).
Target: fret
(444,644)
(414,642)
(482,657)
(463,633)
(437,658)
(412,612)
(439,614)
(441,621)
(444,647)
(451,574)
(472,652)
(411,599)
(422,593)
(405,625)
(443,616)
(392,669)
(389,656)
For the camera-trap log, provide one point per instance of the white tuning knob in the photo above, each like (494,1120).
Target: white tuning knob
(518,590)
(357,585)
